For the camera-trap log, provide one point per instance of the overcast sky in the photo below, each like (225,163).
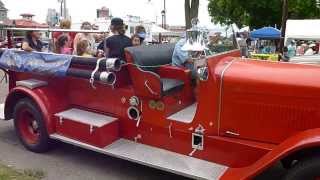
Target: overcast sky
(85,10)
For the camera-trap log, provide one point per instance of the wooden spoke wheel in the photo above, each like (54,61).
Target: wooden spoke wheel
(30,126)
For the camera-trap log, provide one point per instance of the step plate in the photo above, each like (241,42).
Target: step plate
(185,115)
(1,111)
(85,117)
(156,158)
(32,83)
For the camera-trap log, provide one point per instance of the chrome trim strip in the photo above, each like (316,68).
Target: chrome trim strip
(219,54)
(221,93)
(31,83)
(232,133)
(146,80)
(149,88)
(2,116)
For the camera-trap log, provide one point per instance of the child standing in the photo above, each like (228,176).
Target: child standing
(83,48)
(62,45)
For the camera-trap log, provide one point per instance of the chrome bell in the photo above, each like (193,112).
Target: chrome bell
(196,38)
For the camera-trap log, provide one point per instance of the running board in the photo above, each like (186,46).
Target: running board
(155,157)
(2,112)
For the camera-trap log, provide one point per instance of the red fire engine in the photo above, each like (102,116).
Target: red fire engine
(245,116)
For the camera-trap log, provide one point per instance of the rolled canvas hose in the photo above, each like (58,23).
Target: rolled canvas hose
(105,64)
(103,73)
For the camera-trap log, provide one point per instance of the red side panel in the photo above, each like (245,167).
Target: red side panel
(270,102)
(100,137)
(303,140)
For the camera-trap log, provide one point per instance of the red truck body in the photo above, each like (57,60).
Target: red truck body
(251,114)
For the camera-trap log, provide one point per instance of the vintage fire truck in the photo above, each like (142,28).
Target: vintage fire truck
(241,118)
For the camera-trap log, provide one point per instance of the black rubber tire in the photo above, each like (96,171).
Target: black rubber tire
(43,143)
(305,169)
(287,163)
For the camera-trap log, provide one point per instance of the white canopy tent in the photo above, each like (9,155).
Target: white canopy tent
(303,30)
(156,30)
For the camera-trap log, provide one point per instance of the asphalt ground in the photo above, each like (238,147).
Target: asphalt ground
(67,162)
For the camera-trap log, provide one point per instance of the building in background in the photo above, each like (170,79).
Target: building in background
(104,12)
(68,16)
(26,22)
(3,12)
(52,17)
(27,16)
(3,20)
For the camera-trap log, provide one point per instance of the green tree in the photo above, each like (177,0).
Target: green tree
(191,11)
(259,13)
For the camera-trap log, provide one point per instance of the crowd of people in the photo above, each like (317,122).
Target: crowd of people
(87,44)
(300,48)
(110,45)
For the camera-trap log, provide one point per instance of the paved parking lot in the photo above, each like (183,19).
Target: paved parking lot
(72,163)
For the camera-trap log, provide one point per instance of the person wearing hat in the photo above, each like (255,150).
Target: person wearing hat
(114,45)
(141,32)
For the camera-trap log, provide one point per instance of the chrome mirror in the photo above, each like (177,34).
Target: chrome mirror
(203,73)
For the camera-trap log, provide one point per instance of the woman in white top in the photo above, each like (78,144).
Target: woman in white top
(310,50)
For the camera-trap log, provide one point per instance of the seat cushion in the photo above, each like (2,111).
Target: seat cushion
(149,57)
(171,85)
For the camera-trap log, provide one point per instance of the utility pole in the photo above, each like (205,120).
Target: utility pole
(165,14)
(283,23)
(65,9)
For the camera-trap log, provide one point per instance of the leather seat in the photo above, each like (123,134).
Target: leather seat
(150,58)
(171,85)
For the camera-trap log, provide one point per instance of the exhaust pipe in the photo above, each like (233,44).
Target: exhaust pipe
(133,113)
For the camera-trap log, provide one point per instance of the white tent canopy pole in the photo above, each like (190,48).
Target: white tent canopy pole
(54,30)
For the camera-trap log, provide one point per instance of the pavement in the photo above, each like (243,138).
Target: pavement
(67,162)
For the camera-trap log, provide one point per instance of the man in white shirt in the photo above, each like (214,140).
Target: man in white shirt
(310,51)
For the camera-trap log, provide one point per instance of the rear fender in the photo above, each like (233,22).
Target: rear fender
(304,140)
(48,101)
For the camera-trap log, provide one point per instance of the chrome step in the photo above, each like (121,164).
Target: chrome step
(156,158)
(186,115)
(2,112)
(32,83)
(85,117)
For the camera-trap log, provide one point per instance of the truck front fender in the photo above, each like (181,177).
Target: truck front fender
(301,141)
(48,101)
